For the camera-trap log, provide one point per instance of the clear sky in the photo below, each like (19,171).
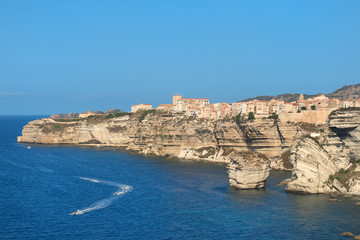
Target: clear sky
(73,56)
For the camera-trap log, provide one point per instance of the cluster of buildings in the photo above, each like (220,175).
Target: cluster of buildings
(201,107)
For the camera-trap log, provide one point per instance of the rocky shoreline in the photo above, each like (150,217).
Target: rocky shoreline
(322,158)
(172,135)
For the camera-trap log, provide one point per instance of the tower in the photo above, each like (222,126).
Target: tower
(301,97)
(176,98)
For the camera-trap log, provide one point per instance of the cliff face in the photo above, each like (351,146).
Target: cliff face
(312,168)
(346,126)
(166,135)
(329,162)
(324,159)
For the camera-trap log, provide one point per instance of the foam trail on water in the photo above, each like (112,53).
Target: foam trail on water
(95,206)
(122,189)
(90,179)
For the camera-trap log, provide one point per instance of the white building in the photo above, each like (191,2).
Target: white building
(141,106)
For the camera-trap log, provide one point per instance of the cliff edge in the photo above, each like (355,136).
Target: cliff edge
(323,158)
(164,134)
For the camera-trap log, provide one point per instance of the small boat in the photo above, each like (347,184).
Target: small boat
(74,213)
(28,147)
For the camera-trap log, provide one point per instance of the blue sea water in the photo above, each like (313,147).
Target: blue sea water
(157,198)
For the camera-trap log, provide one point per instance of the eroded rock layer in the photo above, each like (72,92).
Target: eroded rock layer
(324,159)
(329,162)
(248,170)
(172,135)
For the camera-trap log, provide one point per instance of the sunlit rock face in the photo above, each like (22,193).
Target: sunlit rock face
(172,135)
(248,170)
(312,168)
(330,162)
(324,158)
(345,124)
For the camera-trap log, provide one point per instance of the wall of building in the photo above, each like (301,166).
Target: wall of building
(319,116)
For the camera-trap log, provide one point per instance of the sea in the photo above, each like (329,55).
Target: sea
(72,192)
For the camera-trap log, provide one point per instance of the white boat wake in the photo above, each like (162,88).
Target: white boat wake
(122,189)
(90,179)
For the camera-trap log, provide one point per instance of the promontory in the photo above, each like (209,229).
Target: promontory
(323,158)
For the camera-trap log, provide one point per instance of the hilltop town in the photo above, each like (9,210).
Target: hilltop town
(314,109)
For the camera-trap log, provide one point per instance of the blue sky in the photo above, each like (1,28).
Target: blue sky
(73,56)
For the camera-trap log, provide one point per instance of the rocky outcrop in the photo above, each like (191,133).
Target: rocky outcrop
(114,110)
(174,135)
(65,116)
(324,159)
(248,170)
(164,134)
(312,168)
(345,124)
(207,154)
(329,163)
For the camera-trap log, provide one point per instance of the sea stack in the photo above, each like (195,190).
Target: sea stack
(248,170)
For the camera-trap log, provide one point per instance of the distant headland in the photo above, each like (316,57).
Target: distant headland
(316,138)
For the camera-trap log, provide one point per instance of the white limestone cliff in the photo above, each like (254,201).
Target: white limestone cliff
(248,170)
(329,163)
(312,168)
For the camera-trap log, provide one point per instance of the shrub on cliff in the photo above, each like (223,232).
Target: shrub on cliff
(146,112)
(116,114)
(251,116)
(344,110)
(275,117)
(69,120)
(238,118)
